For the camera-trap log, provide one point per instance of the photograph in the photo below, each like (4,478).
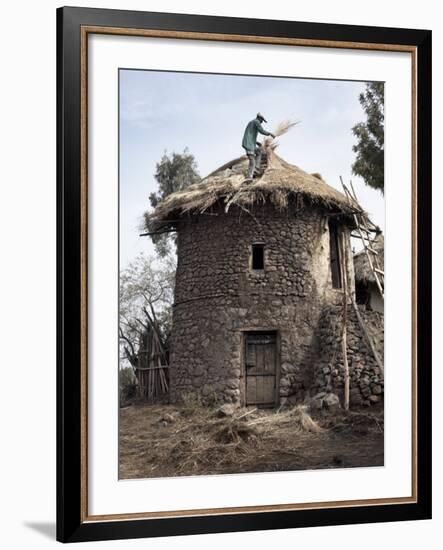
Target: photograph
(218,231)
(251,274)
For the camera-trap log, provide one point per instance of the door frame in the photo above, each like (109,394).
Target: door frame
(255,330)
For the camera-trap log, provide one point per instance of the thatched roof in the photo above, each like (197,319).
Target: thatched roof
(363,273)
(279,183)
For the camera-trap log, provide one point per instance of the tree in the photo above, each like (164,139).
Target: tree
(146,296)
(173,173)
(369,163)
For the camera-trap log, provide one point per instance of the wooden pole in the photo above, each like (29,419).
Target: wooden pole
(344,264)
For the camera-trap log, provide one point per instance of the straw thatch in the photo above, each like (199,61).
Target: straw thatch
(363,272)
(280,183)
(270,143)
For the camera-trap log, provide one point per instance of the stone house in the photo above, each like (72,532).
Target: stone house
(259,268)
(366,289)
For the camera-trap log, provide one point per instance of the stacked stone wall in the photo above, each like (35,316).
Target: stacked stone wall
(219,297)
(366,379)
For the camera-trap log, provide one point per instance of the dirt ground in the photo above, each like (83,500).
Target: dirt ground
(165,440)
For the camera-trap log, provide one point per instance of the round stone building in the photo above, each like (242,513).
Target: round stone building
(258,266)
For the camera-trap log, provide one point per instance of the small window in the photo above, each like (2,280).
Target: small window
(334,243)
(258,256)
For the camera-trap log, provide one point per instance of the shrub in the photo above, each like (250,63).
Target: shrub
(127,386)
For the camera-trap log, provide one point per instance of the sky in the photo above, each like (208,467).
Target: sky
(207,113)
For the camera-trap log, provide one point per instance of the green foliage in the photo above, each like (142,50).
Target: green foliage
(127,377)
(173,173)
(369,162)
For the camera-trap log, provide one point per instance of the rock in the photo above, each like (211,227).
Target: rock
(374,398)
(355,399)
(234,373)
(315,404)
(319,395)
(198,371)
(376,389)
(169,418)
(226,410)
(287,367)
(292,400)
(331,402)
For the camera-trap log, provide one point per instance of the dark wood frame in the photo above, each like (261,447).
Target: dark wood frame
(73,521)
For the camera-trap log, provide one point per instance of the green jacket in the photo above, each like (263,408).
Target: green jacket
(250,136)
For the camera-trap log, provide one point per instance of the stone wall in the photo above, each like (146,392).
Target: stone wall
(218,297)
(366,380)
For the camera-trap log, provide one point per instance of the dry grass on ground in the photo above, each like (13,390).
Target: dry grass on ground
(164,440)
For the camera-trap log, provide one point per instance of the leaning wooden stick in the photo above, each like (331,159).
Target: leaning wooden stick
(368,337)
(345,318)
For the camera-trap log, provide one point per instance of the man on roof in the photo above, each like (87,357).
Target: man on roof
(252,146)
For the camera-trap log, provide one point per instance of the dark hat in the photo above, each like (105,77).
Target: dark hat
(259,115)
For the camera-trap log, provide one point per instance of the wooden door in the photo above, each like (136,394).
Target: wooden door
(261,369)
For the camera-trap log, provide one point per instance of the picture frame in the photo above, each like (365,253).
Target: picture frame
(74,26)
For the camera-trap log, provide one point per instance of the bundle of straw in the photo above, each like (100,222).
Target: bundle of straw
(282,128)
